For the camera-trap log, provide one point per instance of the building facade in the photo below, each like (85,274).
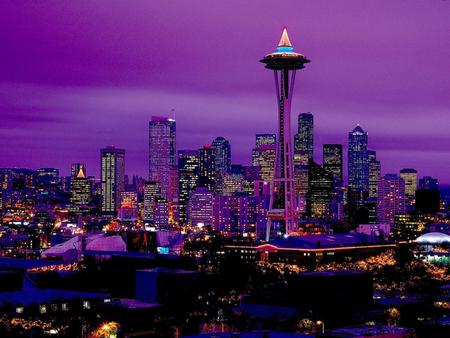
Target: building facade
(112,178)
(161,156)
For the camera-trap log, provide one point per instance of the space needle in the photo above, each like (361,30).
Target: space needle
(283,215)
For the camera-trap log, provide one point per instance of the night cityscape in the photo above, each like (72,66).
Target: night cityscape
(225,169)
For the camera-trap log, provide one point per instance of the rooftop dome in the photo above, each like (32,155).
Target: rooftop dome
(433,238)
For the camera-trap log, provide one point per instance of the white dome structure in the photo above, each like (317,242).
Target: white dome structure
(433,238)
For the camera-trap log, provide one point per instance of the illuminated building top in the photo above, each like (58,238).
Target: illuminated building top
(285,57)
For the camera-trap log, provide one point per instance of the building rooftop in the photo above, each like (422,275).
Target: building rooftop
(321,241)
(45,296)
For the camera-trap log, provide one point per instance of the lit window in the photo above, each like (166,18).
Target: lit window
(86,305)
(43,308)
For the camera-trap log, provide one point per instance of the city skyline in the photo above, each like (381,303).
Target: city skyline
(71,100)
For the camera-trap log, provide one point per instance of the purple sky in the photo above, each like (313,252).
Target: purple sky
(78,75)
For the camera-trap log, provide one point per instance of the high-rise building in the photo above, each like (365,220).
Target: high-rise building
(80,190)
(152,191)
(358,161)
(374,177)
(236,213)
(47,178)
(232,184)
(222,161)
(200,207)
(391,198)
(128,206)
(304,139)
(332,159)
(409,175)
(188,171)
(161,213)
(112,178)
(320,191)
(207,160)
(265,139)
(75,169)
(264,159)
(428,183)
(428,196)
(162,146)
(283,205)
(374,173)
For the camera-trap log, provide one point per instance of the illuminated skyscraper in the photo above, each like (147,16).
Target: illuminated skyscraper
(188,170)
(80,190)
(222,161)
(304,139)
(75,169)
(283,207)
(303,153)
(265,139)
(409,175)
(374,174)
(200,207)
(391,198)
(332,159)
(112,178)
(263,155)
(162,146)
(264,159)
(232,184)
(128,206)
(320,191)
(207,174)
(152,191)
(358,161)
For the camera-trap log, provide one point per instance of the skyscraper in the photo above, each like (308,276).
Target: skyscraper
(162,146)
(188,170)
(374,177)
(152,191)
(75,169)
(80,190)
(428,196)
(47,178)
(409,175)
(232,184)
(207,174)
(304,139)
(428,183)
(265,139)
(112,178)
(391,198)
(200,207)
(264,159)
(374,173)
(332,159)
(222,161)
(358,160)
(320,191)
(283,207)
